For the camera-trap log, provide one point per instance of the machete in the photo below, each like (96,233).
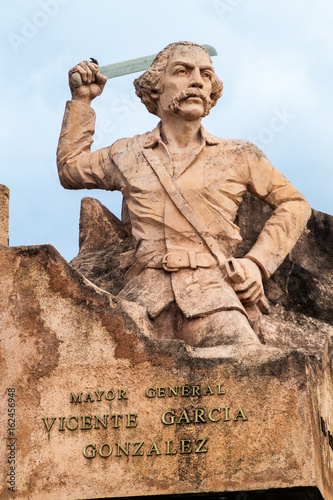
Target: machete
(128,67)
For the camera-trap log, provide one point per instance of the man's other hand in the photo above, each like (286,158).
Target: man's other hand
(93,81)
(251,290)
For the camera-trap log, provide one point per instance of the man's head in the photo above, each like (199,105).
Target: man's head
(189,67)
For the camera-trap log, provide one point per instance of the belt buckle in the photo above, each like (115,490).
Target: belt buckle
(165,265)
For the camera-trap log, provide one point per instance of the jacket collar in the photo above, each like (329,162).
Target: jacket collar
(154,137)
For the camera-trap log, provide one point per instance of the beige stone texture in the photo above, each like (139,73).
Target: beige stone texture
(4,215)
(61,335)
(103,241)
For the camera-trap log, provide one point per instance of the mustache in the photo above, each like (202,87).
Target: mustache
(185,94)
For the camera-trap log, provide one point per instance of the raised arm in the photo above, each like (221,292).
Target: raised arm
(79,168)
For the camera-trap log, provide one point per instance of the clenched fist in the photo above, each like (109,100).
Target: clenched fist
(86,82)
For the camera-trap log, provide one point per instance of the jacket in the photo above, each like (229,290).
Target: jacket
(215,178)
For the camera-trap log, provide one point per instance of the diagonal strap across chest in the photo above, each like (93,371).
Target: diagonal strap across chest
(180,199)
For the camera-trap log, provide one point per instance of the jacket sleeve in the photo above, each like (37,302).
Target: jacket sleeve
(290,216)
(78,168)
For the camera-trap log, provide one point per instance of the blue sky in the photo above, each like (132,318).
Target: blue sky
(275,59)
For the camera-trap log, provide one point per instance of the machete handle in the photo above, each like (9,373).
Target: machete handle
(234,271)
(75,78)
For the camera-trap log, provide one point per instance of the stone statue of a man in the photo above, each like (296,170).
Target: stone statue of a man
(182,187)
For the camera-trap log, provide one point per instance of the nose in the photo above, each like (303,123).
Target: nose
(196,79)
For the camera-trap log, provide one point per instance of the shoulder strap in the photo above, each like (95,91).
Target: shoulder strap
(178,197)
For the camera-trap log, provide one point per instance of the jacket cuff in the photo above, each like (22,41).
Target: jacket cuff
(264,271)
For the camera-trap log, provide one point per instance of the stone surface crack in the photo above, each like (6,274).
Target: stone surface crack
(288,277)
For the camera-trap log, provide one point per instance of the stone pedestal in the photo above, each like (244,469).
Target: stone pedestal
(92,408)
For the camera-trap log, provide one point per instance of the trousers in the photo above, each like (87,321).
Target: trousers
(217,328)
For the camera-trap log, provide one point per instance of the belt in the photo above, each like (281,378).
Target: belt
(173,261)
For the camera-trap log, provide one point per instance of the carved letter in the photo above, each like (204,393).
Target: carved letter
(199,414)
(47,425)
(186,390)
(98,420)
(153,449)
(199,449)
(195,390)
(93,451)
(210,415)
(184,417)
(116,417)
(208,391)
(168,452)
(86,423)
(68,422)
(61,428)
(76,399)
(120,447)
(108,396)
(89,398)
(171,419)
(135,452)
(99,395)
(173,391)
(240,414)
(122,394)
(219,390)
(150,393)
(185,446)
(161,392)
(100,451)
(131,420)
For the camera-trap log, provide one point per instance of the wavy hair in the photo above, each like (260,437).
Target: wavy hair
(152,81)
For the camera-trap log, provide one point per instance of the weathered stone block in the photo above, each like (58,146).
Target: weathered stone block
(154,417)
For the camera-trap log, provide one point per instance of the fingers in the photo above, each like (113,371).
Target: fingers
(86,82)
(245,286)
(253,297)
(249,292)
(100,79)
(87,70)
(251,289)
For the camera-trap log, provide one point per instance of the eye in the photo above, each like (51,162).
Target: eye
(206,74)
(180,71)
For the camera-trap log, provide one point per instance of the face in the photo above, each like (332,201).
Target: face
(187,84)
